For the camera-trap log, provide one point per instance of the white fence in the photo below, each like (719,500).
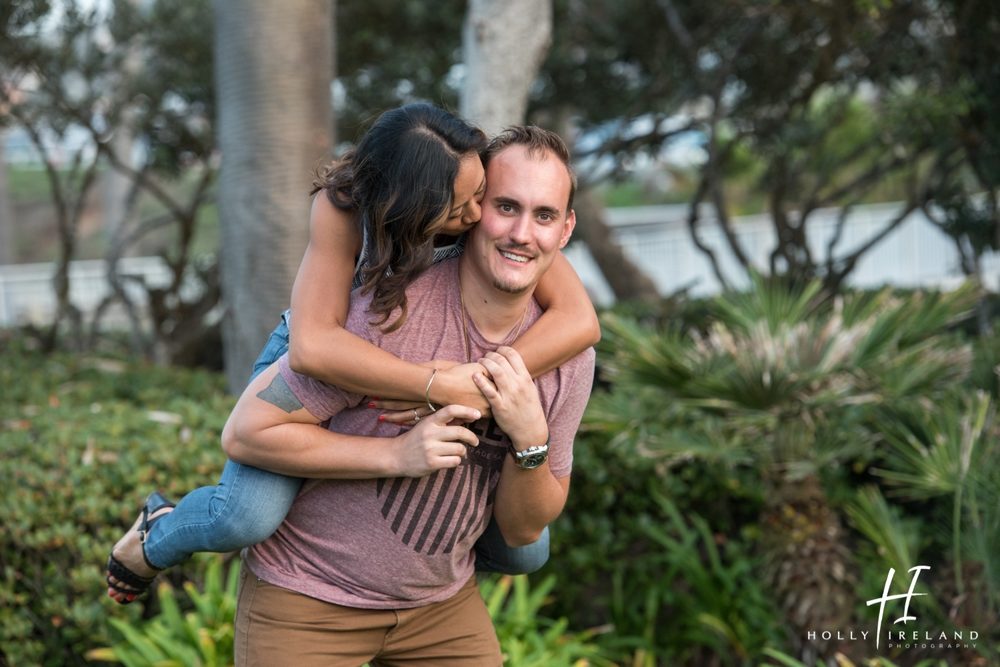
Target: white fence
(27,295)
(656,238)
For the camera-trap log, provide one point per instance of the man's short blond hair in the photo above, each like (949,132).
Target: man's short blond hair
(536,140)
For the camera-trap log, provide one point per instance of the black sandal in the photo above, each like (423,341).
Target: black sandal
(137,584)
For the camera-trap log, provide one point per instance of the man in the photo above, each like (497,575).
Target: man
(377,565)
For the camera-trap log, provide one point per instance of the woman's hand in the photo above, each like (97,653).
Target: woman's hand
(401,412)
(457,385)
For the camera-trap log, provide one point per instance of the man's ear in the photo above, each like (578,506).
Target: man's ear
(568,229)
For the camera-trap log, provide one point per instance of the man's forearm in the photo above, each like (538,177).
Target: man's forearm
(527,501)
(307,450)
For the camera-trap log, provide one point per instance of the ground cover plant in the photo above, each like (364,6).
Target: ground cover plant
(84,438)
(819,442)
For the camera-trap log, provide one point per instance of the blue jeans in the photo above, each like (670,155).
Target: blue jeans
(248,505)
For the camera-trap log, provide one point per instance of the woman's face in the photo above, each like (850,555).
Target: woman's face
(470,186)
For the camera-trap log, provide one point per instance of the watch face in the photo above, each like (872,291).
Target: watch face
(533,460)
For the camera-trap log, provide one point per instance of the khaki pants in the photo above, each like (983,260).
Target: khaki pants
(276,627)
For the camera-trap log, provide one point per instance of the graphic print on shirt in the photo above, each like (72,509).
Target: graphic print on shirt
(432,514)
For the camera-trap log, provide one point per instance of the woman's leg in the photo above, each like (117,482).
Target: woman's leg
(494,555)
(245,507)
(276,345)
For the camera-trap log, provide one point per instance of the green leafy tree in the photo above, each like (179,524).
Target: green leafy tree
(832,105)
(957,90)
(42,73)
(81,76)
(820,95)
(391,52)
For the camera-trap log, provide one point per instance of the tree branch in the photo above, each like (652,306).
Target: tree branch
(693,220)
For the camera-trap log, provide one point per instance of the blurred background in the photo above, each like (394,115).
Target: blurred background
(788,219)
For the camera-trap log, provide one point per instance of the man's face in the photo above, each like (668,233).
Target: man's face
(525,220)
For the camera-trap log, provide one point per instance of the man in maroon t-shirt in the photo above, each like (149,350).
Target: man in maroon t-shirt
(374,562)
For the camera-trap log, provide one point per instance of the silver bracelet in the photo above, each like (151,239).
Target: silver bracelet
(427,391)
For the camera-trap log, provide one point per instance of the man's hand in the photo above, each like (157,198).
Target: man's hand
(438,441)
(513,396)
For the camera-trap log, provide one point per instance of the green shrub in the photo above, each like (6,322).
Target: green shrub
(609,555)
(673,591)
(83,441)
(529,639)
(728,451)
(659,543)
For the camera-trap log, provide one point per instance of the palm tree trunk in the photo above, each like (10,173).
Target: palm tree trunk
(273,73)
(503,45)
(808,565)
(626,280)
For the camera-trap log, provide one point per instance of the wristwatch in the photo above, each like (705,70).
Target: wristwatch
(532,457)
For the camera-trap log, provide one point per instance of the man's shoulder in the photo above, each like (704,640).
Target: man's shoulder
(426,296)
(573,376)
(433,288)
(442,272)
(583,363)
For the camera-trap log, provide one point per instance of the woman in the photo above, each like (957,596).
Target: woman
(399,201)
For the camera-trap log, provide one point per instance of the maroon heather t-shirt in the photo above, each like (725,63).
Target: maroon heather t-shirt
(405,542)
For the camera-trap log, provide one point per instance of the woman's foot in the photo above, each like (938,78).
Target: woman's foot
(129,573)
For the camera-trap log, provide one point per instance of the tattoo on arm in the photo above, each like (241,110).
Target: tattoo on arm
(280,395)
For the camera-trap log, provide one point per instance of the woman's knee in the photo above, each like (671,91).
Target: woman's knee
(494,555)
(249,504)
(236,528)
(531,557)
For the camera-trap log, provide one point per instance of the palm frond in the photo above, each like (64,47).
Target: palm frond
(772,302)
(933,312)
(895,539)
(779,356)
(936,445)
(641,355)
(921,370)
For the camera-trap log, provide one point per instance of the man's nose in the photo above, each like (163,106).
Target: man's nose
(520,229)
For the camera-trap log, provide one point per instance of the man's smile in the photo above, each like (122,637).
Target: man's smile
(514,257)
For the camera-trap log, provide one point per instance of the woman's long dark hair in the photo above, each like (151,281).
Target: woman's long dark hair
(400,178)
